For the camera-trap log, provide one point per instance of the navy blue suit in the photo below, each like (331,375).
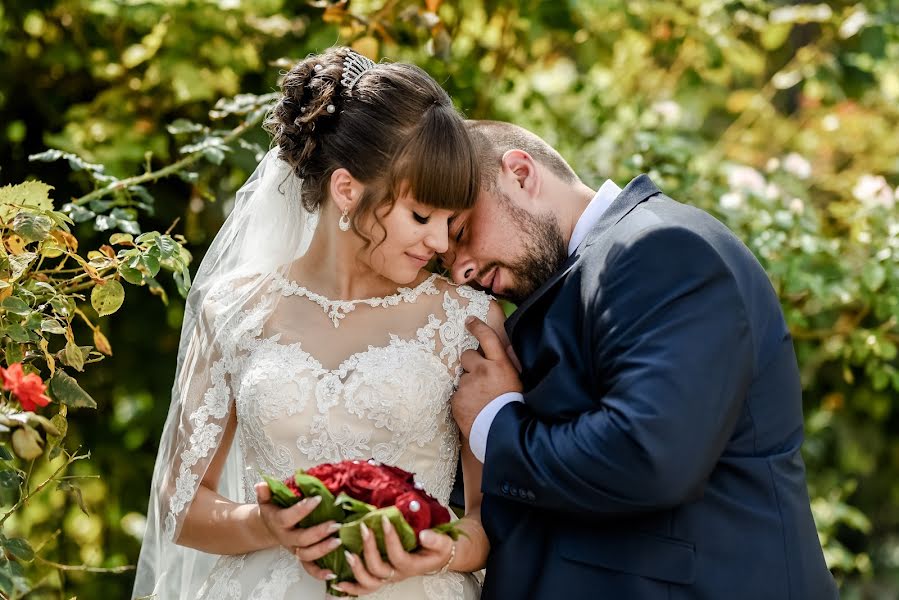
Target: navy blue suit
(657,451)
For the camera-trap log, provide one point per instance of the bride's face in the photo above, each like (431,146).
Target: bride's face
(413,234)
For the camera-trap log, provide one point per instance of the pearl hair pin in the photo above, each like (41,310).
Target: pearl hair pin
(330,108)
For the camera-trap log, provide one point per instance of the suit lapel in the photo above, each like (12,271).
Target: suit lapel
(638,190)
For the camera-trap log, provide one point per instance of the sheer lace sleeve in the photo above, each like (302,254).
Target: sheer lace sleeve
(459,303)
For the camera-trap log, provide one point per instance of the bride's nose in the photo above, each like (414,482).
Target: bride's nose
(437,238)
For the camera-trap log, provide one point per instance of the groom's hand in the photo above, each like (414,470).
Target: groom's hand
(487,375)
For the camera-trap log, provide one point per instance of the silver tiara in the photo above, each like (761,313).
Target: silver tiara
(354,65)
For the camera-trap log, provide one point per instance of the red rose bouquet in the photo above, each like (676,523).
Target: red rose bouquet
(355,492)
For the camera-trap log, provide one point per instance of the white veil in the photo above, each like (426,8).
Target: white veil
(266,231)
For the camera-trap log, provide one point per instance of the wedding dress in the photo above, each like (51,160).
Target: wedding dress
(308,380)
(319,381)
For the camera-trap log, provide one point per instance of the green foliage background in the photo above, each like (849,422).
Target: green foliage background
(780,118)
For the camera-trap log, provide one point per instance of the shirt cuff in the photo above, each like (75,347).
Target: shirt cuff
(480,429)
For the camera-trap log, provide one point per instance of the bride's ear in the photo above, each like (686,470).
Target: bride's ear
(521,168)
(345,190)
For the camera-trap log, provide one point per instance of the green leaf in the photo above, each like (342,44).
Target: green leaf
(4,452)
(75,491)
(62,426)
(17,333)
(30,194)
(19,548)
(104,222)
(351,533)
(14,352)
(10,479)
(15,305)
(168,247)
(121,238)
(19,263)
(182,281)
(179,126)
(151,263)
(874,275)
(132,276)
(66,390)
(73,356)
(79,214)
(52,326)
(355,508)
(106,298)
(32,227)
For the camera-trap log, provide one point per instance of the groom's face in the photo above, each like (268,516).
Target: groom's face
(503,248)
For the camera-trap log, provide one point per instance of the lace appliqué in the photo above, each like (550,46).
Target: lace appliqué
(222,583)
(338,309)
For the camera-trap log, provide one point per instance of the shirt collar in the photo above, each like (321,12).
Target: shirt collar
(591,215)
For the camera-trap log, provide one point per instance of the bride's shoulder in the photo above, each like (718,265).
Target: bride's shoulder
(474,301)
(445,284)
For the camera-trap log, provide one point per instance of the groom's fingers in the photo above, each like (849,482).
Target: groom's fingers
(469,360)
(491,345)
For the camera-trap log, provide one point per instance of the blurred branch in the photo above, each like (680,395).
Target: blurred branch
(171,169)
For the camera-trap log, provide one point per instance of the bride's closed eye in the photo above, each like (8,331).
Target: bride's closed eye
(421,219)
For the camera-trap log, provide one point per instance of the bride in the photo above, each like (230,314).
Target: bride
(282,367)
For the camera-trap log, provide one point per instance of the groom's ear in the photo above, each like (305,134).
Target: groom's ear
(522,169)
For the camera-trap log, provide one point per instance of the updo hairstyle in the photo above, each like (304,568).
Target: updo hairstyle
(395,131)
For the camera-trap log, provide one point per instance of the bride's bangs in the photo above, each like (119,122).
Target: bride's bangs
(438,165)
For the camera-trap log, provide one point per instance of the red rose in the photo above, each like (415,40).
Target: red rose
(439,513)
(416,510)
(291,483)
(28,389)
(362,479)
(400,474)
(387,494)
(332,475)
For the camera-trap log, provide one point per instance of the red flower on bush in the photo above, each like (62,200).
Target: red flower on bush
(28,389)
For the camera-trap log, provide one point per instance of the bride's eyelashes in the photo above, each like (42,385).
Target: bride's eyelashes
(421,219)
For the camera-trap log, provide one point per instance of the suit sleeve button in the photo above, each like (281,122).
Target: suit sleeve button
(531,496)
(505,488)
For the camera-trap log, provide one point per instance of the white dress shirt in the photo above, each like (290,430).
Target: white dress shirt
(480,429)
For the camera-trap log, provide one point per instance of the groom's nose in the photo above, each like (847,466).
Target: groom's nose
(463,269)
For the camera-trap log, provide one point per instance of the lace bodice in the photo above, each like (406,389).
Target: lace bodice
(306,392)
(388,402)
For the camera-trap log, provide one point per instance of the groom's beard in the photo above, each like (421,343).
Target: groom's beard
(543,253)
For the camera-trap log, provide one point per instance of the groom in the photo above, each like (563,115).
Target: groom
(650,446)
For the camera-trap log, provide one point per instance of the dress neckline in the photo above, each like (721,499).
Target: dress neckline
(338,309)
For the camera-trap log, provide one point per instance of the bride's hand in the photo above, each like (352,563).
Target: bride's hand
(435,553)
(307,543)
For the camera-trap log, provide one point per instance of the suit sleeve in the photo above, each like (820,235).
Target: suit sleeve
(671,340)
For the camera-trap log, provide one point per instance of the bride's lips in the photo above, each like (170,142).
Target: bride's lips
(423,260)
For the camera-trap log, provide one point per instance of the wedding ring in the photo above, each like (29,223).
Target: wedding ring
(389,577)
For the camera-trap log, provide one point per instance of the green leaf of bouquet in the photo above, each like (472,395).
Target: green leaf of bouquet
(351,533)
(281,494)
(66,390)
(355,508)
(327,510)
(451,530)
(108,297)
